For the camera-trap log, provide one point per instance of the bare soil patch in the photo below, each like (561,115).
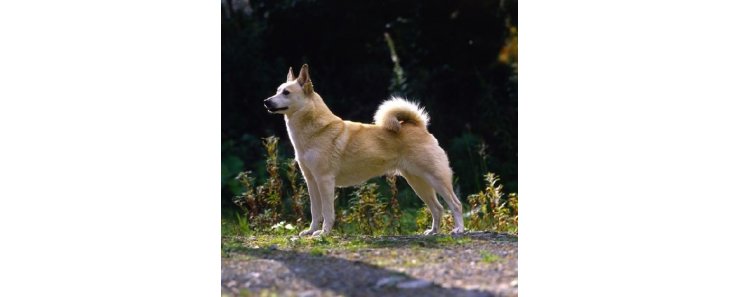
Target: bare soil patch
(473,264)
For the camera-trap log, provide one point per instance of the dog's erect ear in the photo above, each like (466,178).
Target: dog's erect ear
(291,77)
(304,80)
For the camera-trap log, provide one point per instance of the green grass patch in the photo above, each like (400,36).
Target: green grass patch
(320,245)
(447,240)
(488,257)
(317,251)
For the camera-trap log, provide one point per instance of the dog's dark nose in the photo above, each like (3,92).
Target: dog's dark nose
(269,104)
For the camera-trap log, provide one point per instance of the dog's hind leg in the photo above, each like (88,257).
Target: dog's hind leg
(443,185)
(315,197)
(426,193)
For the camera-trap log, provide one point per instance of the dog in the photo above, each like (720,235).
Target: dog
(333,153)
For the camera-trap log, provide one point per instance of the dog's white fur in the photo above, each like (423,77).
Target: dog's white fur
(335,153)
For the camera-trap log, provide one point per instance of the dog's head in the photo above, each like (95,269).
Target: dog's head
(292,94)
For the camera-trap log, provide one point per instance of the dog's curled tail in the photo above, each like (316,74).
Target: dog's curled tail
(395,111)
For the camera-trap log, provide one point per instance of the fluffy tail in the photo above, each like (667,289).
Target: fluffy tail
(396,111)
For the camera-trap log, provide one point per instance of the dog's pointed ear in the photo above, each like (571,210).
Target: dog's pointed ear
(305,80)
(291,76)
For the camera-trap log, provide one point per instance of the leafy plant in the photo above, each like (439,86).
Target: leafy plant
(262,204)
(424,220)
(298,192)
(366,210)
(273,188)
(278,206)
(491,209)
(394,211)
(248,201)
(243,224)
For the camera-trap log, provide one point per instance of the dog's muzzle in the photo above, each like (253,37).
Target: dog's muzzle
(270,105)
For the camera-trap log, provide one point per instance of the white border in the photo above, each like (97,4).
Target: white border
(109,154)
(628,148)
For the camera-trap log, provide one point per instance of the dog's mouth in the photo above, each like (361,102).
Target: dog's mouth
(276,109)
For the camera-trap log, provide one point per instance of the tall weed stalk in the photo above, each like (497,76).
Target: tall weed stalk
(492,210)
(394,211)
(367,212)
(298,192)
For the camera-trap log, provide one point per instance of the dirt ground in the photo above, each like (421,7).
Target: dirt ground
(473,264)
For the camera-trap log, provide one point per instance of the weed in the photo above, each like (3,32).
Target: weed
(298,191)
(279,206)
(247,201)
(243,225)
(273,188)
(262,204)
(394,224)
(489,208)
(424,220)
(367,211)
(398,82)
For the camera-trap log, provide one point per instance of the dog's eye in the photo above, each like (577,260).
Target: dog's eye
(285,92)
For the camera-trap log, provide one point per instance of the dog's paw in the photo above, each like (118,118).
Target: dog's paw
(318,233)
(458,230)
(306,232)
(430,232)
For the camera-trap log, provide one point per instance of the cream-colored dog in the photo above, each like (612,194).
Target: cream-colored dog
(336,153)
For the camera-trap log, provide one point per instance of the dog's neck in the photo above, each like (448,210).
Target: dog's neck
(312,117)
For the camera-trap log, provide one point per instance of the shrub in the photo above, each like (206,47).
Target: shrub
(490,209)
(262,204)
(366,210)
(298,192)
(424,220)
(273,187)
(394,211)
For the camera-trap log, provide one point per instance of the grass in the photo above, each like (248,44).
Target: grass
(239,239)
(451,240)
(488,257)
(317,251)
(243,225)
(234,242)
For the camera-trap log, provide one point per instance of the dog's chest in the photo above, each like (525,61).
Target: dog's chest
(300,145)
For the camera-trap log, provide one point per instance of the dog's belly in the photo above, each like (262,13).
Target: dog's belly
(357,173)
(368,151)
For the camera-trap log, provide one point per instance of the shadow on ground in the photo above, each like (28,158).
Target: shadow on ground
(434,241)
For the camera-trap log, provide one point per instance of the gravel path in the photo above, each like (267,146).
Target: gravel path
(474,264)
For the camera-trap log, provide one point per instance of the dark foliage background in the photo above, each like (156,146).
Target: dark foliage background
(456,57)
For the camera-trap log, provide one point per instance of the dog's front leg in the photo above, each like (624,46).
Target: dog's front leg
(326,189)
(315,196)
